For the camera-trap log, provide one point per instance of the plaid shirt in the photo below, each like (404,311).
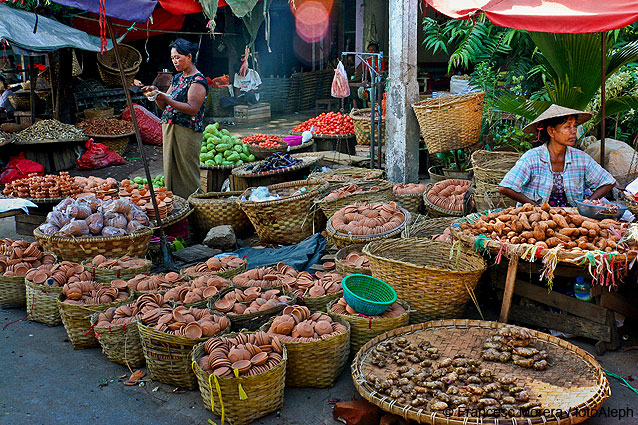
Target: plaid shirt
(532,175)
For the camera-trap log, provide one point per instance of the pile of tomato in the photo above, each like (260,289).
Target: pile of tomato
(328,123)
(263,140)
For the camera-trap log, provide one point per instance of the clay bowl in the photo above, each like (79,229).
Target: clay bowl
(193,330)
(242,365)
(259,359)
(323,327)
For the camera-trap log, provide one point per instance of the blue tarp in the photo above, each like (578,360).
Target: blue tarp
(301,256)
(129,10)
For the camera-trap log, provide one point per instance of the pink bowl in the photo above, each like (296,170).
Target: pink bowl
(292,140)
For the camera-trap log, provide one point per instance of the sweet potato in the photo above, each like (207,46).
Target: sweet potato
(560,220)
(542,244)
(545,207)
(552,242)
(569,231)
(534,217)
(527,208)
(527,235)
(562,237)
(522,218)
(577,219)
(515,240)
(531,241)
(590,225)
(505,217)
(539,234)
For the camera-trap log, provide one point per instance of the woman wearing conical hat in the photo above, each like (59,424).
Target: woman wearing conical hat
(556,172)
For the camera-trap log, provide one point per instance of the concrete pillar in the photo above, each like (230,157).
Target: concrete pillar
(402,128)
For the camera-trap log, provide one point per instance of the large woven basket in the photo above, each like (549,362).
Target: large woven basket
(451,122)
(383,193)
(265,391)
(108,68)
(218,208)
(262,152)
(321,303)
(364,328)
(12,292)
(347,174)
(412,202)
(423,227)
(107,275)
(288,220)
(318,363)
(116,143)
(77,321)
(346,269)
(42,303)
(572,389)
(213,101)
(168,357)
(361,120)
(435,284)
(120,343)
(85,248)
(490,199)
(434,210)
(490,167)
(342,240)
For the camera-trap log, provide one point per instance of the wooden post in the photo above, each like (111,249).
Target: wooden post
(32,80)
(510,283)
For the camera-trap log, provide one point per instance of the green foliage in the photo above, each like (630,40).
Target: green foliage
(449,161)
(509,135)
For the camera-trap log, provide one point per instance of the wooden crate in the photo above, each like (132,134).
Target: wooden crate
(26,223)
(258,112)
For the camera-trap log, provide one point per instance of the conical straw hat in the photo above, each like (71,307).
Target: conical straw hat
(557,111)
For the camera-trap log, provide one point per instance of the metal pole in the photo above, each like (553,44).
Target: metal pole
(168,259)
(602,98)
(373,90)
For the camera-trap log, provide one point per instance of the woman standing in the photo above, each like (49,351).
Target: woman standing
(182,120)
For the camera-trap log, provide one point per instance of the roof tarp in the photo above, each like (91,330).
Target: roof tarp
(17,27)
(129,10)
(558,16)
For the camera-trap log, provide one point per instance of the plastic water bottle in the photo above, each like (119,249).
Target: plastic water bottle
(582,289)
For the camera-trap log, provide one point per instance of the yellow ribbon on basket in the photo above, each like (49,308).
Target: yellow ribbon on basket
(212,398)
(456,244)
(242,393)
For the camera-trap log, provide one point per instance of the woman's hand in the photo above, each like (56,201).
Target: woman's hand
(149,88)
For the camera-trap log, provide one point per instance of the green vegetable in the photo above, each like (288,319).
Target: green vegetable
(222,147)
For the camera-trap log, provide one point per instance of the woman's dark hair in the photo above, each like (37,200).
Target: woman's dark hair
(184,47)
(374,44)
(551,122)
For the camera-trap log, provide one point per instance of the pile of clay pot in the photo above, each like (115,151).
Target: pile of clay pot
(286,277)
(104,189)
(151,283)
(250,354)
(127,313)
(49,186)
(18,257)
(58,274)
(342,307)
(408,189)
(363,218)
(350,189)
(297,324)
(448,194)
(197,289)
(86,292)
(141,196)
(356,259)
(123,263)
(251,300)
(215,265)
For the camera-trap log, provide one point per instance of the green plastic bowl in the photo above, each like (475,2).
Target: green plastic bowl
(367,295)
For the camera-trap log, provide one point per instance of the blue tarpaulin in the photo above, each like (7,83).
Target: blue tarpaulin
(129,10)
(301,256)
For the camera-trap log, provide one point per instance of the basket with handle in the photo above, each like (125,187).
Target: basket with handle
(361,121)
(450,122)
(219,208)
(42,305)
(120,343)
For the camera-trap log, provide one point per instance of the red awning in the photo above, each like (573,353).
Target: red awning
(185,7)
(560,16)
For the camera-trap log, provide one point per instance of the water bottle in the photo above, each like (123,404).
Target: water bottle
(582,289)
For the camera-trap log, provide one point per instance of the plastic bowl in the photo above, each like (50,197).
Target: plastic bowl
(368,295)
(292,140)
(599,212)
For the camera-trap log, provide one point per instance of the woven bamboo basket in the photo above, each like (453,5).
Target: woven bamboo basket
(68,248)
(77,321)
(213,101)
(412,202)
(631,203)
(423,227)
(108,69)
(423,275)
(571,390)
(116,143)
(168,357)
(361,120)
(341,240)
(226,274)
(265,391)
(12,292)
(321,303)
(436,211)
(120,343)
(345,269)
(364,328)
(348,174)
(262,152)
(490,199)
(42,304)
(452,122)
(383,193)
(218,208)
(107,275)
(490,167)
(434,176)
(288,220)
(318,363)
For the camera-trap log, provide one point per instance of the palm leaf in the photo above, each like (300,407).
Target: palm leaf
(520,106)
(617,105)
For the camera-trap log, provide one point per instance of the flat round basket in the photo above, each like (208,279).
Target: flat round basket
(632,204)
(38,201)
(116,143)
(490,167)
(12,292)
(181,210)
(78,249)
(262,152)
(348,174)
(304,147)
(265,391)
(423,275)
(435,210)
(120,343)
(346,269)
(361,121)
(219,208)
(382,192)
(318,363)
(108,275)
(424,227)
(364,328)
(42,304)
(288,220)
(342,240)
(308,160)
(573,388)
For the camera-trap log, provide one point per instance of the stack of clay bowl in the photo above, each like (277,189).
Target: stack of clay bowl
(325,287)
(227,266)
(78,301)
(350,260)
(18,257)
(168,336)
(116,331)
(41,187)
(317,345)
(141,196)
(143,283)
(198,291)
(249,308)
(108,269)
(254,362)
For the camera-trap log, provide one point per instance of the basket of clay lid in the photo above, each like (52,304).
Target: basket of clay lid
(380,191)
(198,291)
(325,287)
(350,260)
(409,196)
(362,327)
(318,345)
(116,330)
(423,227)
(105,270)
(250,307)
(152,283)
(226,266)
(168,336)
(217,209)
(77,303)
(254,363)
(445,199)
(16,259)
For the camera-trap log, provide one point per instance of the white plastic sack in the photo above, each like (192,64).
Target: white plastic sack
(622,159)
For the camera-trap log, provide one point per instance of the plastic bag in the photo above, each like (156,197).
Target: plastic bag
(150,125)
(98,156)
(76,228)
(19,167)
(113,231)
(96,223)
(340,86)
